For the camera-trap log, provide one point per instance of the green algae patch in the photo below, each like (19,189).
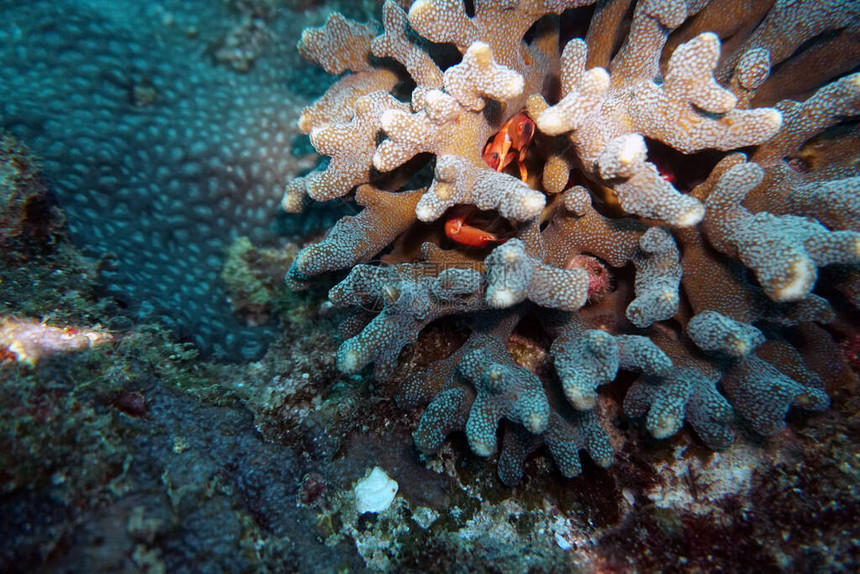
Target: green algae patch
(254,280)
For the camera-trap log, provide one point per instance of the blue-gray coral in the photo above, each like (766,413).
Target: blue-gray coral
(504,390)
(658,276)
(784,251)
(685,394)
(160,156)
(408,299)
(514,276)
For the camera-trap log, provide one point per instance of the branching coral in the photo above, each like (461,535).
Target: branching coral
(705,261)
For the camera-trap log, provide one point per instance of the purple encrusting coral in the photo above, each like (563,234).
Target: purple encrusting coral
(681,143)
(160,157)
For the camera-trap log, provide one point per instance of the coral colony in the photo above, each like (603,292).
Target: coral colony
(159,158)
(645,199)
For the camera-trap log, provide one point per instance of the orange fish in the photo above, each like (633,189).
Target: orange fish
(511,142)
(458,230)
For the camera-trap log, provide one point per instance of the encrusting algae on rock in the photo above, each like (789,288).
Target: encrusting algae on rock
(707,194)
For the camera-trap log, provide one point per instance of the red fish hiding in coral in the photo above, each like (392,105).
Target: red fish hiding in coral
(458,230)
(511,142)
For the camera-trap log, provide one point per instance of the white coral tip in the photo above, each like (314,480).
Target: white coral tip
(773,119)
(425,212)
(418,7)
(536,423)
(595,81)
(581,399)
(802,276)
(692,216)
(348,361)
(481,53)
(389,118)
(552,122)
(482,449)
(501,297)
(666,426)
(532,205)
(633,150)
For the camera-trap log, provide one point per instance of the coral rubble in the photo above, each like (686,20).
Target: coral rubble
(663,150)
(28,341)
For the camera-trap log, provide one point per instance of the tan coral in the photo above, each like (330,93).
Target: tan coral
(630,120)
(607,115)
(351,147)
(338,46)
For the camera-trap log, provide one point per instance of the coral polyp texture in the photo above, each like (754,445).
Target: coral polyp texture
(671,218)
(160,157)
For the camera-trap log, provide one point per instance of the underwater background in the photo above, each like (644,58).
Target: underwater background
(629,343)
